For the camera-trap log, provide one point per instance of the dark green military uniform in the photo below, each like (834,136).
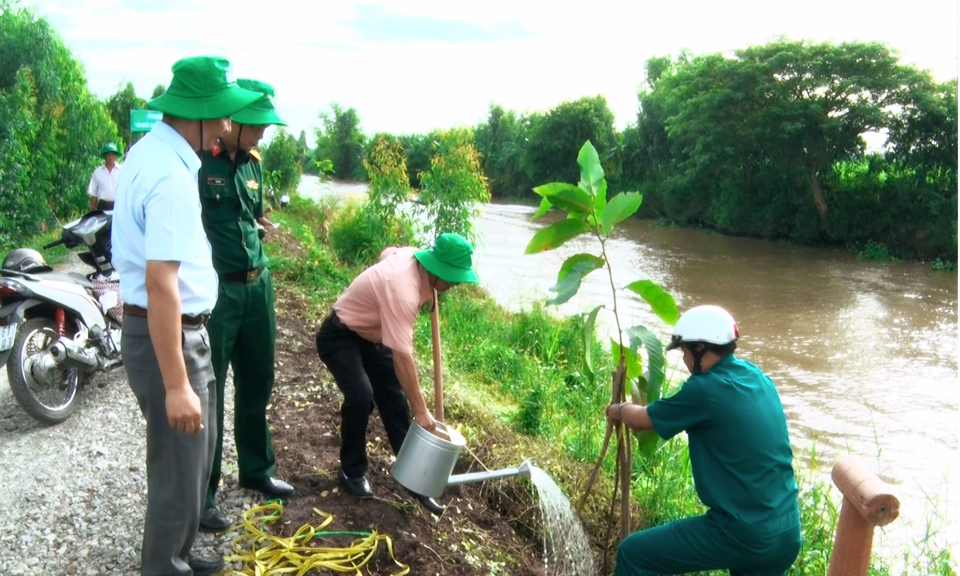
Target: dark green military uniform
(243,324)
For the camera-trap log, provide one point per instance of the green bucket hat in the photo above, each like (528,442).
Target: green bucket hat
(203,88)
(262,112)
(450,259)
(108,148)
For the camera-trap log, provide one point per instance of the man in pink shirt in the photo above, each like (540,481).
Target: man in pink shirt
(367,344)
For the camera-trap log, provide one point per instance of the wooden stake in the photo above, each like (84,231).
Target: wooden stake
(437,364)
(867,503)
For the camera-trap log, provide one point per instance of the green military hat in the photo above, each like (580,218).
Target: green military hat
(450,259)
(203,88)
(262,112)
(108,148)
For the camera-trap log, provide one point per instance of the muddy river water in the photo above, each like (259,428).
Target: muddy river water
(864,354)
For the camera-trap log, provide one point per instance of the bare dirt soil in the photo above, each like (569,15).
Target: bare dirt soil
(486,529)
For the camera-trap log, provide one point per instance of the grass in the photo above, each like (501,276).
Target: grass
(53,256)
(875,251)
(514,388)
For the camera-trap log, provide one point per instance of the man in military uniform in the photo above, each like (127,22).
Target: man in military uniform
(243,324)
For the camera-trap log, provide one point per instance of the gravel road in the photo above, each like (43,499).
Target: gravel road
(73,496)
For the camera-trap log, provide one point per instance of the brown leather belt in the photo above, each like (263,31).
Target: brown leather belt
(198,320)
(244,276)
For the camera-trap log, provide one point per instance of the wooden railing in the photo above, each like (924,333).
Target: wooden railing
(867,503)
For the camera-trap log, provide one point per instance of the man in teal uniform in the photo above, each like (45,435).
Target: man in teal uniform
(740,455)
(243,324)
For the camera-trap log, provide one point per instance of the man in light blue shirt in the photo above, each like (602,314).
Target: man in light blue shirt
(169,287)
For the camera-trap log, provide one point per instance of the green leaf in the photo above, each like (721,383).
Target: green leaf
(555,235)
(591,172)
(572,272)
(631,360)
(620,207)
(600,202)
(660,300)
(648,388)
(655,363)
(647,442)
(543,209)
(567,196)
(588,331)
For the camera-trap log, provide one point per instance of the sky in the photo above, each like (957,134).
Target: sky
(417,65)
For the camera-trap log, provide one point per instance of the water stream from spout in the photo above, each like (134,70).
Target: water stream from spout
(566,551)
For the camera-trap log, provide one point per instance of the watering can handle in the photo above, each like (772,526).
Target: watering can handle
(437,367)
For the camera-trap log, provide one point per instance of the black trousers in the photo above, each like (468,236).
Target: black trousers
(365,374)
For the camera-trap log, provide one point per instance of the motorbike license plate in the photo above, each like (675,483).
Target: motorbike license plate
(7,335)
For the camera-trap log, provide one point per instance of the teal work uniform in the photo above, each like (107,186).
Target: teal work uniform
(243,324)
(742,466)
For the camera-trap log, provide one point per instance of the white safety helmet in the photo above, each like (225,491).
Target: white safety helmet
(710,324)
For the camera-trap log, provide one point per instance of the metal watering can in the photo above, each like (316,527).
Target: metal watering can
(426,460)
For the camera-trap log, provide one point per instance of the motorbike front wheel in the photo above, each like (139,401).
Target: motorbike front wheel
(47,391)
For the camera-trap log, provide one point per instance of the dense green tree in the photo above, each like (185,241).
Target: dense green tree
(556,137)
(280,157)
(389,181)
(158,91)
(305,155)
(49,114)
(501,141)
(21,211)
(342,141)
(804,105)
(923,135)
(119,106)
(769,142)
(454,185)
(417,151)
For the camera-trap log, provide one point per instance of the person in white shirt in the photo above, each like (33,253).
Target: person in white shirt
(103,182)
(169,287)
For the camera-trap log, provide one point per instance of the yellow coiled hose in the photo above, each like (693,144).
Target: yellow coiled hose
(264,554)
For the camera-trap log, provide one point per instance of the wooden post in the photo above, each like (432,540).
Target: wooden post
(867,503)
(437,366)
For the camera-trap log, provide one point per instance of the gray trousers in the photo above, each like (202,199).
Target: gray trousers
(178,464)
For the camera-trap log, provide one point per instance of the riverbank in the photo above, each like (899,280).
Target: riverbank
(863,353)
(72,496)
(527,387)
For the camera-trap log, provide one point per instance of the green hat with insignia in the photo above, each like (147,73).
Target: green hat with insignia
(262,112)
(450,259)
(203,88)
(108,148)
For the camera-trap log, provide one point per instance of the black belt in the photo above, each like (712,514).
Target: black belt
(335,320)
(198,320)
(244,276)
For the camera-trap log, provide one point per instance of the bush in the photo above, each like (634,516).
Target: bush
(342,142)
(280,157)
(454,185)
(357,234)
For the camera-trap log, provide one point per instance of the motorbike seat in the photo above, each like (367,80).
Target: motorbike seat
(68,277)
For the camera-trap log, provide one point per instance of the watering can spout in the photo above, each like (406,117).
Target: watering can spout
(522,470)
(426,459)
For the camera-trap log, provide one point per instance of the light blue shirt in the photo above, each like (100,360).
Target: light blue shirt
(157,217)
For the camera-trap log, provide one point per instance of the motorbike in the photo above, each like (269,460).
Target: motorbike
(57,329)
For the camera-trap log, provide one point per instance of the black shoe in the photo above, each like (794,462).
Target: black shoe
(429,503)
(270,487)
(213,520)
(206,565)
(356,486)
